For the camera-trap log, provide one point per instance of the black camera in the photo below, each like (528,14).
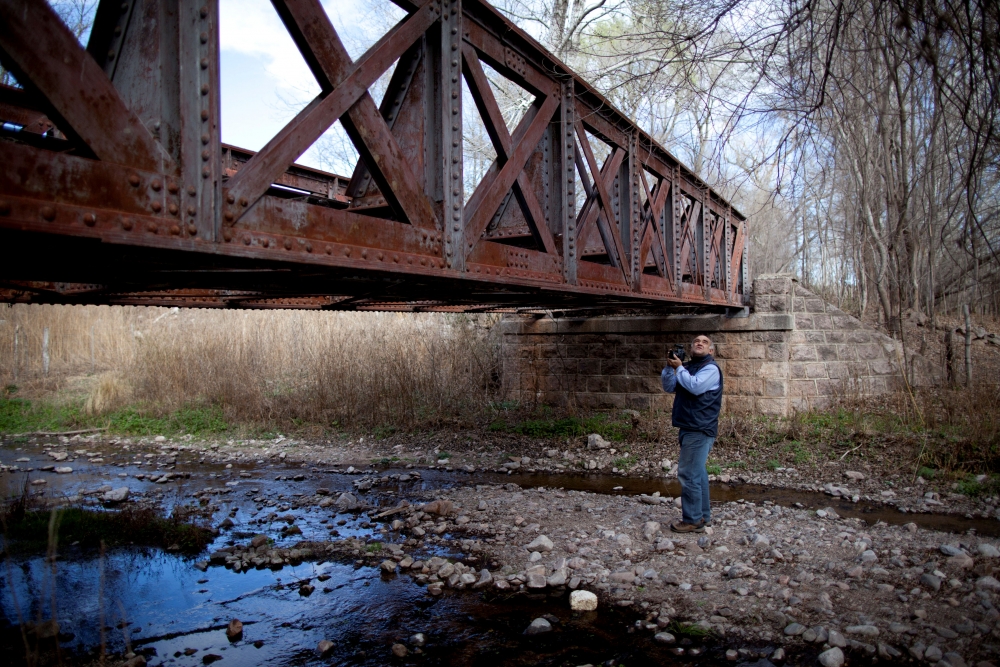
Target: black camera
(678,352)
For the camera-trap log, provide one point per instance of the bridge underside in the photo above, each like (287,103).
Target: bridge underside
(116,189)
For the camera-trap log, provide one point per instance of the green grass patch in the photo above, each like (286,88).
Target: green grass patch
(624,462)
(567,427)
(30,530)
(444,455)
(927,473)
(713,468)
(690,630)
(773,464)
(374,547)
(23,416)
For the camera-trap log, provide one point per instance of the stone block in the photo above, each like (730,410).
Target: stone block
(822,321)
(728,351)
(798,371)
(803,321)
(625,351)
(616,400)
(799,404)
(592,401)
(755,351)
(619,384)
(847,352)
(815,371)
(845,322)
(802,353)
(798,337)
(815,336)
(645,367)
(638,401)
(737,404)
(773,336)
(870,351)
(548,351)
(837,371)
(772,284)
(775,388)
(599,351)
(777,352)
(576,351)
(773,369)
(652,351)
(802,388)
(835,336)
(597,384)
(828,387)
(798,305)
(815,306)
(772,406)
(588,366)
(738,368)
(827,352)
(614,366)
(882,367)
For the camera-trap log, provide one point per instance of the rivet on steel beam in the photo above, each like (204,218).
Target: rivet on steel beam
(192,190)
(191,210)
(228,215)
(156,184)
(265,242)
(151,227)
(133,180)
(204,63)
(309,247)
(203,11)
(227,235)
(172,207)
(204,89)
(288,244)
(364,254)
(111,55)
(4,208)
(89,219)
(231,198)
(380,256)
(127,225)
(156,206)
(203,37)
(175,230)
(48,213)
(395,258)
(206,172)
(246,240)
(204,114)
(243,202)
(193,231)
(329,250)
(172,187)
(205,155)
(205,138)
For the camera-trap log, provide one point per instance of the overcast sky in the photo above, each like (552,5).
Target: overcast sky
(265,81)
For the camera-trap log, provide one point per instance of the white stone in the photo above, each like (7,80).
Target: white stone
(540,543)
(116,495)
(64,470)
(833,657)
(582,601)
(988,551)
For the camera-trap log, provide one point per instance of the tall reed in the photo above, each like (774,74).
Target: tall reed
(262,366)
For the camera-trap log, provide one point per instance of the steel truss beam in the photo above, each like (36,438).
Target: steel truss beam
(115,188)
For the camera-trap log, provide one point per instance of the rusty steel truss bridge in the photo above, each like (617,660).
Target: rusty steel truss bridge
(115,187)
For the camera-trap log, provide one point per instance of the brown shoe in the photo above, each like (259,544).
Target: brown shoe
(681,527)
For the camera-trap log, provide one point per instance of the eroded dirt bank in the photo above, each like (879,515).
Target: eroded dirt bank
(804,579)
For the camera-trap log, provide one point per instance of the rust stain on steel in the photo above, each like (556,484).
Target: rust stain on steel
(114,187)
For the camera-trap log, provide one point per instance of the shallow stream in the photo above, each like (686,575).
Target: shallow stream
(159,604)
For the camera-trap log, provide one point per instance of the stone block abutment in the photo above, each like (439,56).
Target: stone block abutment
(793,352)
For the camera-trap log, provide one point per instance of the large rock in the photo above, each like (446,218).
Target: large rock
(348,502)
(485,579)
(439,507)
(540,543)
(833,657)
(596,441)
(116,495)
(650,529)
(64,470)
(538,626)
(582,601)
(988,551)
(988,583)
(234,631)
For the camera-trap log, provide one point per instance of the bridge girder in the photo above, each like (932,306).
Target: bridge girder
(115,187)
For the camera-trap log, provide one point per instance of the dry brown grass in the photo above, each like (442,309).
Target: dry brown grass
(270,367)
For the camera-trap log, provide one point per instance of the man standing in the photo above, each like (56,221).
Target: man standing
(698,388)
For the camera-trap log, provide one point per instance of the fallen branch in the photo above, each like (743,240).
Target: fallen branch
(50,433)
(842,456)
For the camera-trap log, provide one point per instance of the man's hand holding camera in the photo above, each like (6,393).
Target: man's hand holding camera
(675,358)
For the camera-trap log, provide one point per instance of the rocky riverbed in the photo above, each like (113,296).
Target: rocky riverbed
(795,580)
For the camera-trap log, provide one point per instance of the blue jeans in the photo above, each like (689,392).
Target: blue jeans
(695,505)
